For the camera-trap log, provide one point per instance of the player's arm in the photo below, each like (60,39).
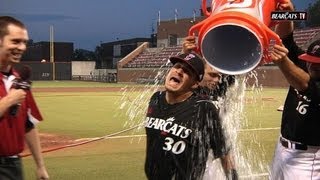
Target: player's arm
(295,76)
(219,145)
(284,28)
(33,142)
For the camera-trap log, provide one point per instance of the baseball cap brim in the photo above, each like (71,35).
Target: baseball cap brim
(309,58)
(174,60)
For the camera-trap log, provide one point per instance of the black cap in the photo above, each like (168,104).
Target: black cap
(191,59)
(313,53)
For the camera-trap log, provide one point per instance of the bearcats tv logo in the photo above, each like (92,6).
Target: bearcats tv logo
(289,16)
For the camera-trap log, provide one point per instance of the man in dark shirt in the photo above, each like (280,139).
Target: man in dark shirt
(297,154)
(214,86)
(181,126)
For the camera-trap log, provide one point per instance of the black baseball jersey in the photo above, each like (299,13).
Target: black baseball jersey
(299,119)
(179,137)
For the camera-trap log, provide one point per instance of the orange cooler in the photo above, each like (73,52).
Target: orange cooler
(235,36)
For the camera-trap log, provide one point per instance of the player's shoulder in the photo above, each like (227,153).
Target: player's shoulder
(201,97)
(156,97)
(313,90)
(156,94)
(203,100)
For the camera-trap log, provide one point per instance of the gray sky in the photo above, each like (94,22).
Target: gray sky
(86,23)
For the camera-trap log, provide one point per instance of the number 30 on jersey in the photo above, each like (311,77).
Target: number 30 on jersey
(175,147)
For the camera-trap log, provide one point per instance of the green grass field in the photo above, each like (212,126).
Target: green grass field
(96,114)
(46,84)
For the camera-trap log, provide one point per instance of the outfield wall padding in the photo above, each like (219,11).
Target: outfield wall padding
(44,71)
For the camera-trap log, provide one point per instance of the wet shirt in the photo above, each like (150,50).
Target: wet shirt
(300,121)
(179,137)
(13,128)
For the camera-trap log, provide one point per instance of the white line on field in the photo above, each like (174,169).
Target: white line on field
(259,129)
(254,175)
(131,136)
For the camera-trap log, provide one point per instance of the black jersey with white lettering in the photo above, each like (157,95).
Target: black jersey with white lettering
(299,119)
(179,137)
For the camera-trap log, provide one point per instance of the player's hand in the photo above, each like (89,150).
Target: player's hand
(16,96)
(189,44)
(285,5)
(278,53)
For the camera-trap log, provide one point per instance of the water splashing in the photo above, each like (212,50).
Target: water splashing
(134,102)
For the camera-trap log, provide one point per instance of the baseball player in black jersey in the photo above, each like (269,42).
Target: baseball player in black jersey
(214,86)
(181,126)
(297,155)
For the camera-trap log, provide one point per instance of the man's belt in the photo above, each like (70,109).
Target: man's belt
(292,145)
(8,159)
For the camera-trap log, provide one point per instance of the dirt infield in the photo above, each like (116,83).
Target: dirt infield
(51,142)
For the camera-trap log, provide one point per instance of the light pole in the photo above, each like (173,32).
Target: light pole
(52,53)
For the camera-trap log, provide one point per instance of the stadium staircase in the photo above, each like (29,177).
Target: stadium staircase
(153,57)
(304,36)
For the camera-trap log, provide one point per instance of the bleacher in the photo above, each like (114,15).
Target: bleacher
(154,59)
(158,58)
(303,36)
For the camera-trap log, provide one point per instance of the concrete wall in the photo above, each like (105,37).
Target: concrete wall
(100,72)
(268,76)
(80,68)
(133,74)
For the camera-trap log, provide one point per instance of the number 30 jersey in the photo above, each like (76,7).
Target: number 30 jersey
(179,137)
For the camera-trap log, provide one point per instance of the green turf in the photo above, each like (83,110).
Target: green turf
(50,84)
(80,114)
(106,159)
(97,114)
